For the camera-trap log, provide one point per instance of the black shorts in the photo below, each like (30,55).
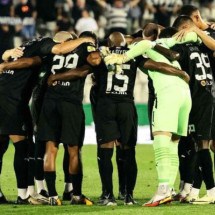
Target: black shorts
(116,121)
(15,118)
(61,122)
(202,122)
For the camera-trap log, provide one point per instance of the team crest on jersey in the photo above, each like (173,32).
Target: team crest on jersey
(91,48)
(203,83)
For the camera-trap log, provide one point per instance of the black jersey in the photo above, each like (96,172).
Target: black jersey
(41,85)
(138,34)
(69,90)
(194,59)
(118,85)
(210,32)
(18,84)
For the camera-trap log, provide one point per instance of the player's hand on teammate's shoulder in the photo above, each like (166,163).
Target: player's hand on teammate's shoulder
(17,52)
(12,53)
(114,59)
(211,25)
(52,80)
(180,36)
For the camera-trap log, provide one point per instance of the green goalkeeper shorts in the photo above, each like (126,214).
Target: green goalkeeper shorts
(171,110)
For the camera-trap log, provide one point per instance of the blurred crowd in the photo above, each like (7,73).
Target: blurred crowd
(22,20)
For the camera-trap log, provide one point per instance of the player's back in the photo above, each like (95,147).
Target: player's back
(18,83)
(194,59)
(161,80)
(211,32)
(69,90)
(118,82)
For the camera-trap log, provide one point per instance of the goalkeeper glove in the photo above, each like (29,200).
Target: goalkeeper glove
(116,59)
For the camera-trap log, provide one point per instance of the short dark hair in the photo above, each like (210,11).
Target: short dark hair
(168,32)
(89,34)
(188,10)
(150,30)
(181,20)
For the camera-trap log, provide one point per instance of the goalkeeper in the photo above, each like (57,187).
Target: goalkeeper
(170,114)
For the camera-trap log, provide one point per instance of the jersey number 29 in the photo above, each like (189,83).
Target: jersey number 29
(69,62)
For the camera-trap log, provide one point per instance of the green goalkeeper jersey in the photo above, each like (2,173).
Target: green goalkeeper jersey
(160,80)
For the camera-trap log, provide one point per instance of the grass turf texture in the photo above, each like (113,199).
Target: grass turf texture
(145,188)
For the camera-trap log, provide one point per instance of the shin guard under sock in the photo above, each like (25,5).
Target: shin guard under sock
(76,180)
(21,163)
(31,163)
(161,146)
(50,178)
(173,149)
(107,168)
(66,164)
(120,161)
(100,166)
(130,170)
(39,162)
(207,168)
(197,179)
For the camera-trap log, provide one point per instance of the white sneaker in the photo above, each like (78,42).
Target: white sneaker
(158,200)
(160,197)
(204,200)
(42,197)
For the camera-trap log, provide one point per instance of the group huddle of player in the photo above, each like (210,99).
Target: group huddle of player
(51,72)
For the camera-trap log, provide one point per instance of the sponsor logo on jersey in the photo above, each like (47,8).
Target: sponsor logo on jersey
(64,83)
(91,48)
(117,93)
(10,72)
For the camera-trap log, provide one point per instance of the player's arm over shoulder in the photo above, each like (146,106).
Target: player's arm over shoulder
(12,53)
(21,63)
(66,47)
(206,39)
(164,68)
(72,74)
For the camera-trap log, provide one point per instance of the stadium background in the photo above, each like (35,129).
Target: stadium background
(47,17)
(10,36)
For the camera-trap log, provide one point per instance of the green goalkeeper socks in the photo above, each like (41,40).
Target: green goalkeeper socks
(161,147)
(174,162)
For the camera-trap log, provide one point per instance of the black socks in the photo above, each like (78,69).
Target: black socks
(50,178)
(107,169)
(21,163)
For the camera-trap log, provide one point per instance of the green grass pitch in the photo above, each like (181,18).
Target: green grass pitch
(145,188)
